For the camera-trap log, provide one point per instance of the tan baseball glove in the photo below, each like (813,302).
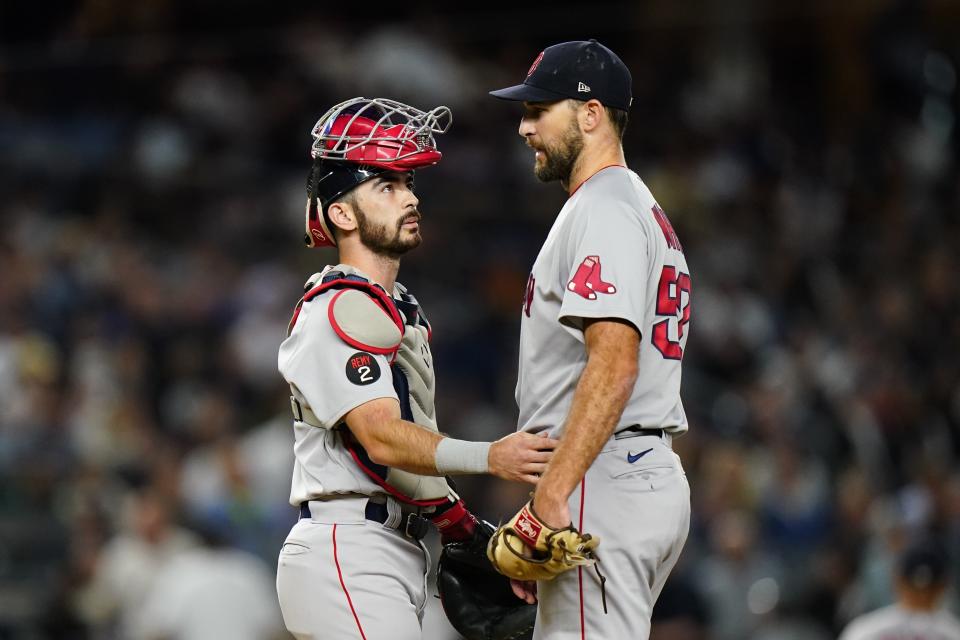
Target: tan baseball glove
(527,549)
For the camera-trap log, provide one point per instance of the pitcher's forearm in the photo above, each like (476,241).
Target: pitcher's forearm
(598,402)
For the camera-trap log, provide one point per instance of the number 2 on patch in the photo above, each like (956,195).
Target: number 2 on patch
(365,375)
(670,301)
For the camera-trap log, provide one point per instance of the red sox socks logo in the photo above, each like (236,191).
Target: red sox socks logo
(586,281)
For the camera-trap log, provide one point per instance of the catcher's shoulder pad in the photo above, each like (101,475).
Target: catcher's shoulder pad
(360,312)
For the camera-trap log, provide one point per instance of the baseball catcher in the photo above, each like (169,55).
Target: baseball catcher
(370,464)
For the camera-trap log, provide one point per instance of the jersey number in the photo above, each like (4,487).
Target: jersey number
(365,375)
(670,301)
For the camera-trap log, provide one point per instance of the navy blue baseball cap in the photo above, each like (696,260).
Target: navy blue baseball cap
(581,70)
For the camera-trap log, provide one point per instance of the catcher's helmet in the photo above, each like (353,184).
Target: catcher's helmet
(359,139)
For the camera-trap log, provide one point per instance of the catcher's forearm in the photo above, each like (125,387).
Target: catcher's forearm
(391,441)
(598,402)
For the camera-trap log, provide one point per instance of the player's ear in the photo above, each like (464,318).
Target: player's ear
(342,216)
(590,115)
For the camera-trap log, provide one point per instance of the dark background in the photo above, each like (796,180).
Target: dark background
(153,156)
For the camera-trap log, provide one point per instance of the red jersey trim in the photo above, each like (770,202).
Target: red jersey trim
(593,174)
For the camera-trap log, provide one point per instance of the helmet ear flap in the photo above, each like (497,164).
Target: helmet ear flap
(317,231)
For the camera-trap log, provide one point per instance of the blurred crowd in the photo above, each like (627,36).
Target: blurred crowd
(152,170)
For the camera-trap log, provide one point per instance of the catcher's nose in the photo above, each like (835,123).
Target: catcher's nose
(412,201)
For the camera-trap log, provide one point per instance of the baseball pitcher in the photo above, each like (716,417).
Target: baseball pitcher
(604,326)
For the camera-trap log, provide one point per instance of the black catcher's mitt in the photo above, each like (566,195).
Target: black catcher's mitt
(478,601)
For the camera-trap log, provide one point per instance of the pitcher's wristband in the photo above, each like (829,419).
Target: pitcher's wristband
(461,456)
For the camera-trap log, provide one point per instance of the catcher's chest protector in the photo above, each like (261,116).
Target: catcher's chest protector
(365,317)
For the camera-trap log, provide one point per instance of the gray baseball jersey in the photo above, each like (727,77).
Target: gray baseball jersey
(350,567)
(329,376)
(896,623)
(612,253)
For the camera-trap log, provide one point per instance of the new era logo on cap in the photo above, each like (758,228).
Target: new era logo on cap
(581,70)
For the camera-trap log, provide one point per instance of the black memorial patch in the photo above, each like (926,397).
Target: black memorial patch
(362,369)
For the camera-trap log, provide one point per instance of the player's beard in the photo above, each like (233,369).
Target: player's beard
(383,240)
(559,159)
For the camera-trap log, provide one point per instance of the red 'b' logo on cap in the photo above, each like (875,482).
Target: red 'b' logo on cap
(535,64)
